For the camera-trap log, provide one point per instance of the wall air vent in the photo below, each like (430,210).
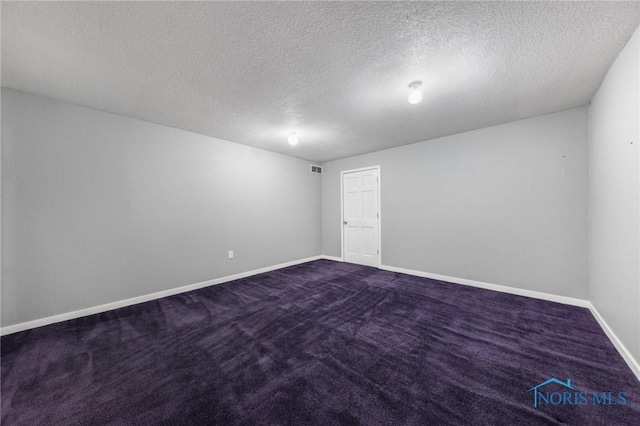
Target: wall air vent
(316,169)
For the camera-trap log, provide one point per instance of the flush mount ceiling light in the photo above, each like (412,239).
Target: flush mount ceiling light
(415,93)
(293,138)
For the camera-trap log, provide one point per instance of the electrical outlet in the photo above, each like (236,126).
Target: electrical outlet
(230,254)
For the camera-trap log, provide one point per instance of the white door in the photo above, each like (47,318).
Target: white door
(360,219)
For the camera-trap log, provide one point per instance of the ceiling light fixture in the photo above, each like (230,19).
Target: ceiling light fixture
(415,94)
(293,138)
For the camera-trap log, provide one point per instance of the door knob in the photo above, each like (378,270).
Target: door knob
(345,222)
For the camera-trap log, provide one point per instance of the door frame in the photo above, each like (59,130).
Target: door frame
(362,169)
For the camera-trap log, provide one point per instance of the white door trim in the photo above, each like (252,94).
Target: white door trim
(342,173)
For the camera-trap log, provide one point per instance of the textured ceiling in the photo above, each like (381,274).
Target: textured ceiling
(336,72)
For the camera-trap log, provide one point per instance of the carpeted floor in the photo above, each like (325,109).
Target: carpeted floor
(319,343)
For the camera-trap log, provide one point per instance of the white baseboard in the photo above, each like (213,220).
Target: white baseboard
(622,349)
(624,352)
(334,258)
(495,287)
(144,298)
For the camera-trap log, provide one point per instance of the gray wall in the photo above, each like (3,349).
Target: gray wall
(614,197)
(98,208)
(505,204)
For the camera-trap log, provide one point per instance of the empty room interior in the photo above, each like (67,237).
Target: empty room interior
(318,213)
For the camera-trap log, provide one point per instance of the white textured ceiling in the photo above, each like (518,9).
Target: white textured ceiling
(336,72)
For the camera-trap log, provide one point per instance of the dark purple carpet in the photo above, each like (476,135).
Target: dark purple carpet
(319,343)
